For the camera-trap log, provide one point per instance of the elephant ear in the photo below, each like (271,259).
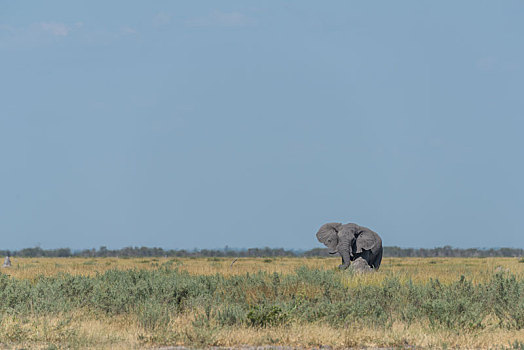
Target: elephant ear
(328,230)
(368,240)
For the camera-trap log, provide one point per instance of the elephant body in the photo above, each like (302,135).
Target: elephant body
(352,242)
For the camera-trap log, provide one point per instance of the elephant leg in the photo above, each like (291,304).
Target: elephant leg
(366,255)
(377,260)
(345,260)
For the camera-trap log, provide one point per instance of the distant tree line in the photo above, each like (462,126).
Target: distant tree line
(446,251)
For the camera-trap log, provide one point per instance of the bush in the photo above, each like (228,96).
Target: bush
(230,315)
(460,305)
(308,295)
(263,316)
(152,316)
(505,295)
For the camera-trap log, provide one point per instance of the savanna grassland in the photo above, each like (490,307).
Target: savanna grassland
(299,302)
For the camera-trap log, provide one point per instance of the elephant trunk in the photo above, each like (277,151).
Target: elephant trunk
(345,260)
(344,248)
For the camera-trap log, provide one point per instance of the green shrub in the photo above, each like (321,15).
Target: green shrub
(152,316)
(460,305)
(505,296)
(263,316)
(203,332)
(308,295)
(230,315)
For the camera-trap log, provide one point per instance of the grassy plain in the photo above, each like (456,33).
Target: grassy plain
(416,269)
(300,302)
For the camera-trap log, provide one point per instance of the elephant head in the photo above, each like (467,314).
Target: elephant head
(328,235)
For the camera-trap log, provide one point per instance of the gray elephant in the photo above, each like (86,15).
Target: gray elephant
(352,242)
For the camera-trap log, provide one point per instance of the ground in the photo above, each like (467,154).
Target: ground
(83,327)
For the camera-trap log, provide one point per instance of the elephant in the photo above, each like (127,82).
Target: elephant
(352,242)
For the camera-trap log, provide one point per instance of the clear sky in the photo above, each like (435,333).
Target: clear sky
(200,124)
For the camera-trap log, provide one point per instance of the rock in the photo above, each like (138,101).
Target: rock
(501,269)
(7,262)
(360,265)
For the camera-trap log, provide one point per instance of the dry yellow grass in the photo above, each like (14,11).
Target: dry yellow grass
(416,269)
(83,331)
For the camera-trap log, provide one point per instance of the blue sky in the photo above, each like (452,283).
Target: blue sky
(186,124)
